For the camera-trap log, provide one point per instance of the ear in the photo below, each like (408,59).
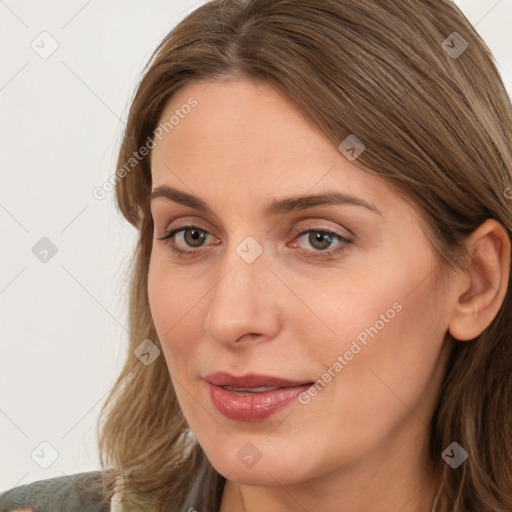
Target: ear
(483,287)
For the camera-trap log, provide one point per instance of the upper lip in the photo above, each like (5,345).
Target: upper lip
(251,380)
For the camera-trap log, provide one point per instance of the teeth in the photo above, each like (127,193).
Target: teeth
(253,390)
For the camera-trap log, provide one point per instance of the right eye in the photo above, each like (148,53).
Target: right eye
(192,237)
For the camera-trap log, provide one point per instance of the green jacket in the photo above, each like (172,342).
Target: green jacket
(80,492)
(83,492)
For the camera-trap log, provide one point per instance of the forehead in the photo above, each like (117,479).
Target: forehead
(245,138)
(238,114)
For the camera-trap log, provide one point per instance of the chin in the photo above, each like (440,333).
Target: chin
(266,471)
(264,476)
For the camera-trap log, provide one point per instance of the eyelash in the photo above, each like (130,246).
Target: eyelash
(168,235)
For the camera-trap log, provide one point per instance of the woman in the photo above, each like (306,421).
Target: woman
(320,292)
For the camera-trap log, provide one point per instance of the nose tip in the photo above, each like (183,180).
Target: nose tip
(236,315)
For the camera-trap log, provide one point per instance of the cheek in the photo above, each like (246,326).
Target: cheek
(388,331)
(161,297)
(177,312)
(390,310)
(175,309)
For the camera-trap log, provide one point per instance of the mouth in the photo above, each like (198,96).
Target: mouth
(258,398)
(249,391)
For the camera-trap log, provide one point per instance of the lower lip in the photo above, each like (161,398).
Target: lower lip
(255,406)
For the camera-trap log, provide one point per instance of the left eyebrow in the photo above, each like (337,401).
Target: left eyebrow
(274,207)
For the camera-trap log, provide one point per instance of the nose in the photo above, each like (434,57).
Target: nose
(244,303)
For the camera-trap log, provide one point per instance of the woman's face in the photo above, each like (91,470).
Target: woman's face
(272,293)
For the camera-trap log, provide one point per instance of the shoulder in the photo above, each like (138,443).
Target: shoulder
(79,492)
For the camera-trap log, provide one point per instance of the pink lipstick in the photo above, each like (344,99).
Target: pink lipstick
(252,397)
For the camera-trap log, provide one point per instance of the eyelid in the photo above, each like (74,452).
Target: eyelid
(309,222)
(318,226)
(183,223)
(303,225)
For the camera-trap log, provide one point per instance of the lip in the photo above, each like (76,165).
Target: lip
(255,406)
(251,380)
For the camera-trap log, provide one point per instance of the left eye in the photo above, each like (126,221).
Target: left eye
(321,240)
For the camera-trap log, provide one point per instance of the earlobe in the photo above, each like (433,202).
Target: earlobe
(484,285)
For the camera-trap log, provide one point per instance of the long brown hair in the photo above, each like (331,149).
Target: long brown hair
(436,121)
